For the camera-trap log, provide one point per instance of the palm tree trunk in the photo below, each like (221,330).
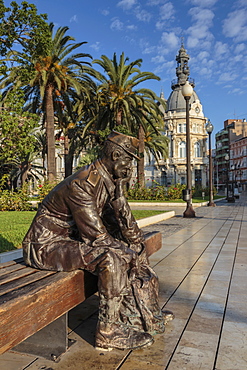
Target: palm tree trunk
(140,163)
(25,167)
(50,134)
(119,117)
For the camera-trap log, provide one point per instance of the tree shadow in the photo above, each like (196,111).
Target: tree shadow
(6,245)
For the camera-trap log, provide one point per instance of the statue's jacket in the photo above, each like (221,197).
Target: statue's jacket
(78,220)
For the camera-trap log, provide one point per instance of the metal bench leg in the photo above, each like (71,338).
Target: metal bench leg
(50,342)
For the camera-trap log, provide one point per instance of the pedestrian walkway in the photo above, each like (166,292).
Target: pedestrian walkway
(202,269)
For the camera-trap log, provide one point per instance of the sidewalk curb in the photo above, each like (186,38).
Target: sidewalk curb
(153,219)
(169,204)
(11,255)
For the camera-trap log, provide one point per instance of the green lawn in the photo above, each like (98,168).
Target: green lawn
(14,225)
(145,213)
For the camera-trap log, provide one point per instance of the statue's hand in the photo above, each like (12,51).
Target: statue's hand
(119,190)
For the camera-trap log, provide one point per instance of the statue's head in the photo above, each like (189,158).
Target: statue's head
(128,143)
(118,152)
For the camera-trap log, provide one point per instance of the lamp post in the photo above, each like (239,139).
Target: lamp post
(227,175)
(209,129)
(229,194)
(187,91)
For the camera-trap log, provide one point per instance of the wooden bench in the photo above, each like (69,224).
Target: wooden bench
(34,304)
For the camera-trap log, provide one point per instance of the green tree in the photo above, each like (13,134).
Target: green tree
(122,102)
(25,170)
(157,145)
(49,77)
(21,26)
(75,119)
(16,131)
(56,73)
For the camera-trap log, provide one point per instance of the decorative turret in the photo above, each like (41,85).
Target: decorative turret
(176,102)
(182,70)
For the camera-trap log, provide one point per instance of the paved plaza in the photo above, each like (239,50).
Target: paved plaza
(202,269)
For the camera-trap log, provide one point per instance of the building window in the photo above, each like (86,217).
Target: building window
(198,177)
(163,179)
(182,149)
(197,150)
(182,128)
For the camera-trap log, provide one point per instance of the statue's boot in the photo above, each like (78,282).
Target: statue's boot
(110,336)
(112,333)
(159,322)
(167,315)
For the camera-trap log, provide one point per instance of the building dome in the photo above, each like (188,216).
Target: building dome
(176,101)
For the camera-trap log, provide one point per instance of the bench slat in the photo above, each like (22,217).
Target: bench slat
(15,267)
(16,275)
(23,280)
(10,263)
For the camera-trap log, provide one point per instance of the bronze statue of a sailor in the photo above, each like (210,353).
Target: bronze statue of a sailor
(85,222)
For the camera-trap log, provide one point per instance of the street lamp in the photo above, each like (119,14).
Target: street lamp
(209,129)
(187,91)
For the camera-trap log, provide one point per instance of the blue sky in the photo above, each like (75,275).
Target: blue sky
(214,34)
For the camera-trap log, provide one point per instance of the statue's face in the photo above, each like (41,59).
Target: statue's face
(122,167)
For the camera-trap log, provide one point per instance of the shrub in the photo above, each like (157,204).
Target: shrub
(155,192)
(175,192)
(197,192)
(44,189)
(15,200)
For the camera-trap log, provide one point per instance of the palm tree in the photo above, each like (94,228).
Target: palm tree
(56,73)
(25,169)
(75,118)
(52,74)
(122,103)
(157,145)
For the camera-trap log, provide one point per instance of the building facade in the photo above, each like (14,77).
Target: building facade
(238,163)
(230,154)
(173,170)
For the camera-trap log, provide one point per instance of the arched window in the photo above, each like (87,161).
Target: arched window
(197,150)
(182,149)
